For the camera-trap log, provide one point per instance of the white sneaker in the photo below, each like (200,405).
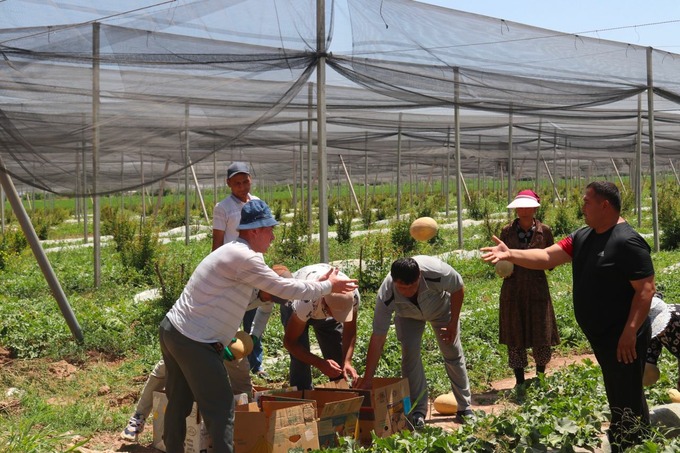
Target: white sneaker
(134,428)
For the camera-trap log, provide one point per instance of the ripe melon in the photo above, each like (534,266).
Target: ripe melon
(446,404)
(504,268)
(242,346)
(423,229)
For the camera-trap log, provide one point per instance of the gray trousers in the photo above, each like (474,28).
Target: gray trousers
(239,376)
(195,372)
(410,335)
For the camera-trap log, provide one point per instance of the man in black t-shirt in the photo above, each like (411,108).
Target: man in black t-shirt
(613,280)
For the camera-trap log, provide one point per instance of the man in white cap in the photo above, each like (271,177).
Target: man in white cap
(226,217)
(420,290)
(205,318)
(333,318)
(227,213)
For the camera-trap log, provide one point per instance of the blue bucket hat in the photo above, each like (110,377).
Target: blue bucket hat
(256,214)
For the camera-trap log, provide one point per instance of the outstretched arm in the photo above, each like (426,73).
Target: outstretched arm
(547,258)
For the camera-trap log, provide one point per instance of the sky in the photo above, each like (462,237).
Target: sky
(653,23)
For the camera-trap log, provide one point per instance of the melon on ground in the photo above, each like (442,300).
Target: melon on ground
(446,404)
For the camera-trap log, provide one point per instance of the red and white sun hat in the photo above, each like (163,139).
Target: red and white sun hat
(525,199)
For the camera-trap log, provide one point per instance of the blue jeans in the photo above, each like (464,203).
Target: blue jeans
(255,357)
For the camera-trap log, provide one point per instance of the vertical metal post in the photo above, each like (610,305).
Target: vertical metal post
(638,164)
(310,122)
(84,194)
(95,155)
(448,172)
(459,195)
(302,175)
(399,168)
(321,127)
(187,211)
(511,170)
(652,149)
(366,171)
(141,171)
(295,181)
(215,199)
(538,154)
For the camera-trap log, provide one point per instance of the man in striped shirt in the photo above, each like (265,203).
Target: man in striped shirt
(207,315)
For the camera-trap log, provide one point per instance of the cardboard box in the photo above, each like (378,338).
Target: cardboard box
(384,408)
(197,439)
(258,391)
(337,412)
(277,427)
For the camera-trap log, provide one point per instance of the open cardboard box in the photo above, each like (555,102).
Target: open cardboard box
(337,412)
(276,426)
(384,408)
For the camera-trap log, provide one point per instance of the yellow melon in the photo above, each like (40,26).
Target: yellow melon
(423,229)
(674,395)
(242,346)
(504,268)
(446,404)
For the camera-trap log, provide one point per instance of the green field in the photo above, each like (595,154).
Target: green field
(120,345)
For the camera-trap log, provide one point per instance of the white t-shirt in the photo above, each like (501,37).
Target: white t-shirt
(314,309)
(227,216)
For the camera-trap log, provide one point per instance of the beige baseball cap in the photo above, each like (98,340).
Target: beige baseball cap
(341,306)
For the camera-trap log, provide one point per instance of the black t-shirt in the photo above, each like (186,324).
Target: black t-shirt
(603,267)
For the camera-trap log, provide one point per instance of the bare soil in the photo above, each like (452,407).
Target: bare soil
(492,402)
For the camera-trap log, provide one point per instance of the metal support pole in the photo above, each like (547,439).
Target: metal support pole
(310,122)
(187,211)
(448,172)
(538,154)
(95,156)
(511,170)
(38,252)
(456,125)
(652,149)
(638,164)
(321,127)
(399,168)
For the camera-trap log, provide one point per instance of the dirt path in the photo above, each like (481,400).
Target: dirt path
(492,401)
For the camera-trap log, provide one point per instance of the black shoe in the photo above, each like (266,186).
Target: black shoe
(418,420)
(465,416)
